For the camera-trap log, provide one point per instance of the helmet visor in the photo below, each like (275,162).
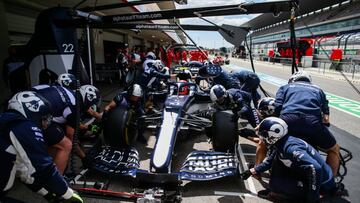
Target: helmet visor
(221,100)
(45,121)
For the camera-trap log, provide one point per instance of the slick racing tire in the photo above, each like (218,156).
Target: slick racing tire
(223,132)
(120,127)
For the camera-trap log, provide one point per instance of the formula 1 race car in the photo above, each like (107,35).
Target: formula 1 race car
(186,108)
(192,66)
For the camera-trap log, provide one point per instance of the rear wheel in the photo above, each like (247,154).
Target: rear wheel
(223,132)
(120,127)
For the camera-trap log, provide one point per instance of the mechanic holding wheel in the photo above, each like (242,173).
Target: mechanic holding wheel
(236,100)
(298,172)
(23,152)
(131,99)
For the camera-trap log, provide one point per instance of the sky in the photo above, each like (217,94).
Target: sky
(211,39)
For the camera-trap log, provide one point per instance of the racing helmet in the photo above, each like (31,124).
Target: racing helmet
(184,90)
(300,76)
(184,63)
(136,91)
(184,75)
(218,94)
(135,58)
(67,80)
(151,55)
(158,64)
(266,106)
(272,129)
(32,106)
(90,96)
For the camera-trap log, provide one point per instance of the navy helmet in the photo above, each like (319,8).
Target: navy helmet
(218,94)
(266,106)
(272,129)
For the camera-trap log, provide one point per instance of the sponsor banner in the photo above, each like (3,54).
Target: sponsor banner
(205,165)
(123,162)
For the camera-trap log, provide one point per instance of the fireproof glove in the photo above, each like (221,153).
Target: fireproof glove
(75,199)
(246,132)
(245,175)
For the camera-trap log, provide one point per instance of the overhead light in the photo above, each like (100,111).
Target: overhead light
(181,2)
(153,36)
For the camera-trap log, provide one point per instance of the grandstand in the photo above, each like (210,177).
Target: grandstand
(325,26)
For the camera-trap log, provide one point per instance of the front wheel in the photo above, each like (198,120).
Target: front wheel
(224,132)
(120,127)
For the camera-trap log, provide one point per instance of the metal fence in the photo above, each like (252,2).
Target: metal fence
(350,67)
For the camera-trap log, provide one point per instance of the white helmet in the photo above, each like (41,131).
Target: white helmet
(136,90)
(266,106)
(90,95)
(32,106)
(67,80)
(300,76)
(151,55)
(272,129)
(135,58)
(159,65)
(218,94)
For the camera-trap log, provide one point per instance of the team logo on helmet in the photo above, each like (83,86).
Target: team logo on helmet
(90,93)
(31,101)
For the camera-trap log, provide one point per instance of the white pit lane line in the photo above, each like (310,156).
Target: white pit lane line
(250,181)
(237,194)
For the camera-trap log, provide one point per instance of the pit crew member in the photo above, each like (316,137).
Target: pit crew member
(23,152)
(304,107)
(297,170)
(236,100)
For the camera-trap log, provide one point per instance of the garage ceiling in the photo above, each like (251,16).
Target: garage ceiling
(157,36)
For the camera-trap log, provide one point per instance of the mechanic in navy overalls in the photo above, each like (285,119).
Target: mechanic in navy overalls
(218,76)
(131,99)
(23,152)
(150,77)
(236,100)
(59,134)
(304,107)
(298,171)
(249,82)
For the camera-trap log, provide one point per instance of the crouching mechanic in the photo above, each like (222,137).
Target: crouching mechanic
(249,82)
(23,152)
(131,99)
(236,100)
(304,107)
(266,108)
(59,134)
(68,81)
(298,171)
